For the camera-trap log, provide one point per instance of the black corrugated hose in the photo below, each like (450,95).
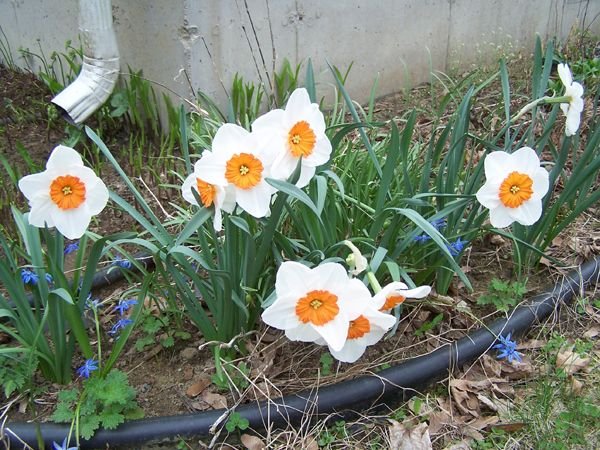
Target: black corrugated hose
(388,386)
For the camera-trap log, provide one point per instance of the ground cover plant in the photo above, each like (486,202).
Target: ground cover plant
(287,218)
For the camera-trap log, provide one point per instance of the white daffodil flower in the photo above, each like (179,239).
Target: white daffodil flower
(318,303)
(395,293)
(66,195)
(240,161)
(514,188)
(357,262)
(210,195)
(367,329)
(296,131)
(574,91)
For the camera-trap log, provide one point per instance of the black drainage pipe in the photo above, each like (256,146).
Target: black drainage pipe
(389,385)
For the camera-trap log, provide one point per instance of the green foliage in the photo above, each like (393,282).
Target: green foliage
(429,325)
(331,434)
(229,375)
(236,422)
(326,361)
(16,372)
(103,402)
(157,328)
(503,295)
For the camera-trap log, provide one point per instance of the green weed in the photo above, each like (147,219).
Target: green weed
(503,295)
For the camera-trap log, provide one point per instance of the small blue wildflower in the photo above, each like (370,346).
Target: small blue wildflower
(88,367)
(507,348)
(121,323)
(49,278)
(93,303)
(29,277)
(123,263)
(456,247)
(422,238)
(62,446)
(124,305)
(438,224)
(72,247)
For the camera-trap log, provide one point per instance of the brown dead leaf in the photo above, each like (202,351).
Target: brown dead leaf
(437,420)
(531,344)
(405,437)
(592,332)
(483,422)
(570,361)
(252,442)
(216,401)
(198,386)
(188,372)
(576,386)
(459,446)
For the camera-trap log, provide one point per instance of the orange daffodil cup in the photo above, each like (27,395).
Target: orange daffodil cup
(316,304)
(325,306)
(66,195)
(235,170)
(298,131)
(514,188)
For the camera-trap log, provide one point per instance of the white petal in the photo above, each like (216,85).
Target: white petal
(72,223)
(500,217)
(282,313)
(418,292)
(572,122)
(293,279)
(353,298)
(306,174)
(35,185)
(186,189)
(488,195)
(541,183)
(283,165)
(320,154)
(330,275)
(565,74)
(334,332)
(528,213)
(297,104)
(211,169)
(497,165)
(63,157)
(41,213)
(525,160)
(352,350)
(96,198)
(380,298)
(316,120)
(229,139)
(271,119)
(302,333)
(255,201)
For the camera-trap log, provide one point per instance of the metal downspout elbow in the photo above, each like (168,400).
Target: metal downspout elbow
(100,68)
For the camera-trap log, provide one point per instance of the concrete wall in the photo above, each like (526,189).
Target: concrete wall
(213,39)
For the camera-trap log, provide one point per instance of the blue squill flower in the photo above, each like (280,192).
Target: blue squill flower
(88,367)
(121,323)
(456,247)
(123,263)
(124,305)
(62,446)
(72,247)
(29,277)
(422,238)
(438,224)
(507,349)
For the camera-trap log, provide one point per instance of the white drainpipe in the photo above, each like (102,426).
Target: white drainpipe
(100,68)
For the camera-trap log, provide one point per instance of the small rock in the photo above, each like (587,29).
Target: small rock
(188,353)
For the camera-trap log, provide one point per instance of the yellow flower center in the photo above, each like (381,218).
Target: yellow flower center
(301,139)
(244,170)
(67,192)
(391,301)
(516,189)
(317,307)
(207,192)
(358,327)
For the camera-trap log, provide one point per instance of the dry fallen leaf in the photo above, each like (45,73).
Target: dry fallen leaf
(198,386)
(252,442)
(592,332)
(216,401)
(570,361)
(406,437)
